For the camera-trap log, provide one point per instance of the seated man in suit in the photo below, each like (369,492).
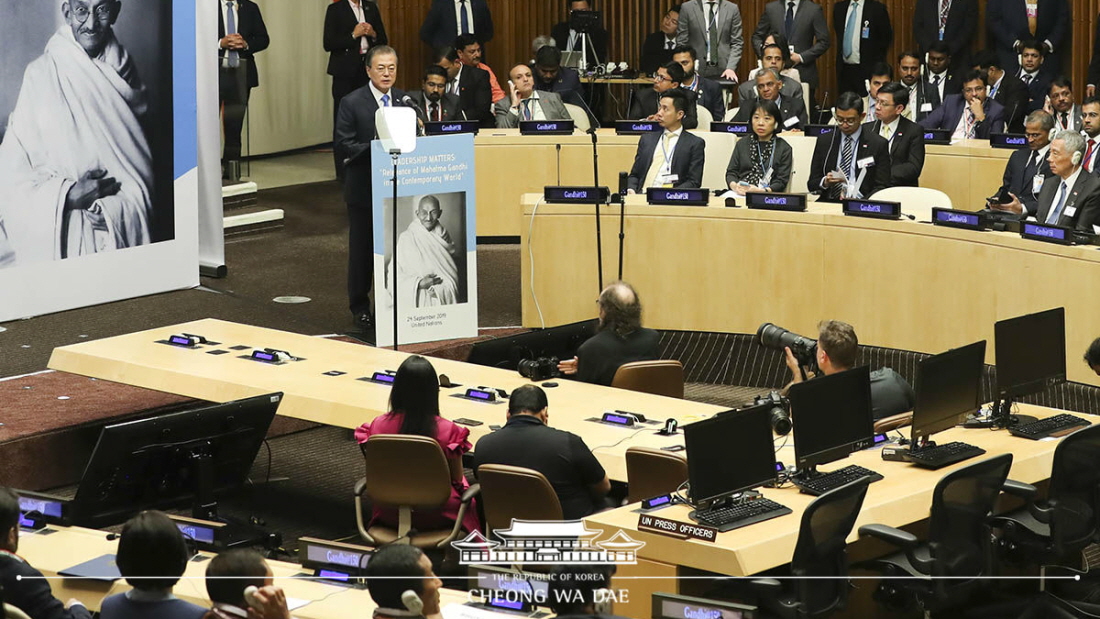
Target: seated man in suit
(1005,89)
(526,103)
(469,54)
(1026,169)
(469,84)
(668,77)
(771,57)
(24,587)
(657,47)
(1032,54)
(708,93)
(396,570)
(1071,197)
(1067,114)
(969,116)
(881,74)
(939,82)
(434,102)
(769,88)
(669,158)
(1090,130)
(905,138)
(909,70)
(552,77)
(851,162)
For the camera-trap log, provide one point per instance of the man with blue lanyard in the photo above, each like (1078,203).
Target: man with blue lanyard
(671,157)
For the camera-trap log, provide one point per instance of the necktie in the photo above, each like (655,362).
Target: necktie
(465,26)
(231,28)
(788,21)
(886,132)
(1032,166)
(846,157)
(1027,79)
(1056,213)
(658,162)
(434,113)
(385,100)
(1064,121)
(670,44)
(945,8)
(851,31)
(712,45)
(969,131)
(1088,155)
(526,109)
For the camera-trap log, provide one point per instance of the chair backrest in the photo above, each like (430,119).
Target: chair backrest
(958,533)
(406,470)
(579,116)
(1074,492)
(893,422)
(11,612)
(806,98)
(731,113)
(705,118)
(821,548)
(660,377)
(915,201)
(652,472)
(514,492)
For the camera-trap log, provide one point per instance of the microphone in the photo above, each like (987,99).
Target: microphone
(1011,115)
(821,108)
(630,103)
(595,121)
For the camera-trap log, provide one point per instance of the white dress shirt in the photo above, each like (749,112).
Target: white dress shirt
(673,140)
(452,86)
(893,130)
(378,95)
(943,82)
(1090,164)
(536,107)
(855,36)
(361,17)
(469,16)
(1069,118)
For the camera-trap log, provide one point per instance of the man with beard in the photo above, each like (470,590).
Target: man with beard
(621,338)
(433,101)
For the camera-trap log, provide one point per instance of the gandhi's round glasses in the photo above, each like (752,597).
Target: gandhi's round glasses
(102,12)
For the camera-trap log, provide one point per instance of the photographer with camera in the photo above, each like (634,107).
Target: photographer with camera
(835,351)
(620,338)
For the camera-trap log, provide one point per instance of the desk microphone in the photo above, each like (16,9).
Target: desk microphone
(821,110)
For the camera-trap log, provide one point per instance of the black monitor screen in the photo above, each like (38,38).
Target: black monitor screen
(1031,352)
(831,414)
(948,389)
(729,453)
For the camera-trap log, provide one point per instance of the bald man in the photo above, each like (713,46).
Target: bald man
(427,275)
(526,103)
(620,338)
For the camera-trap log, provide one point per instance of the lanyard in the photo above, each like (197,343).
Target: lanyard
(760,157)
(668,155)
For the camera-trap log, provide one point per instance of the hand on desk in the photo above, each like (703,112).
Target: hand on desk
(1011,207)
(569,366)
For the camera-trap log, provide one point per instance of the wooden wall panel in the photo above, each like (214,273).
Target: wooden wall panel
(518,22)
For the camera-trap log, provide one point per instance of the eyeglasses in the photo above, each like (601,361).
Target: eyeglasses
(660,78)
(847,122)
(102,12)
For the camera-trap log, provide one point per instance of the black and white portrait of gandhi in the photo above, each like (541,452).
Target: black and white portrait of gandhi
(431,250)
(86,143)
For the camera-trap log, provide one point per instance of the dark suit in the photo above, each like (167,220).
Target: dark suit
(1094,65)
(1082,206)
(250,25)
(875,35)
(741,163)
(354,132)
(951,86)
(788,108)
(906,152)
(826,152)
(654,52)
(687,160)
(962,27)
(440,28)
(32,594)
(809,34)
(709,95)
(645,105)
(1007,23)
(597,39)
(948,115)
(451,106)
(476,95)
(1018,176)
(345,61)
(1013,96)
(1037,89)
(918,96)
(567,84)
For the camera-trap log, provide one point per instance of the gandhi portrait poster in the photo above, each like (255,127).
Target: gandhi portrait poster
(434,276)
(98,178)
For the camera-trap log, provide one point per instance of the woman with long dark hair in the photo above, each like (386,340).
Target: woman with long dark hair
(414,409)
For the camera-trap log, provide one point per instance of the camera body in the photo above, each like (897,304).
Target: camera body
(803,348)
(543,368)
(780,413)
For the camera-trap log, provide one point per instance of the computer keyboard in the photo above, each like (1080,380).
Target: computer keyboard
(943,455)
(1042,428)
(823,482)
(741,515)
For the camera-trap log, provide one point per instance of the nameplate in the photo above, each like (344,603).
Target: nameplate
(51,510)
(677,529)
(1007,140)
(1049,234)
(872,208)
(435,127)
(546,127)
(814,131)
(663,500)
(205,534)
(968,220)
(687,197)
(346,560)
(576,195)
(937,136)
(636,127)
(734,128)
(776,201)
(383,378)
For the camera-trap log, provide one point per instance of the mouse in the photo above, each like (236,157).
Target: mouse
(549,384)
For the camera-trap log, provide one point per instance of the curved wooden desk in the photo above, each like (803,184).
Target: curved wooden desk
(901,284)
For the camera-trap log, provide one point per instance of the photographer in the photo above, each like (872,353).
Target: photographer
(836,350)
(620,338)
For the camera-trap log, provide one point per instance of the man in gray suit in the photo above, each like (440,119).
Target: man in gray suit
(771,58)
(713,29)
(802,22)
(768,86)
(526,103)
(1071,197)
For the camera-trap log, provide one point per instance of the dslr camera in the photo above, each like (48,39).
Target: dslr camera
(539,369)
(780,411)
(778,338)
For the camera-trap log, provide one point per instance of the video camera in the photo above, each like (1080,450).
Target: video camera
(539,369)
(778,338)
(780,413)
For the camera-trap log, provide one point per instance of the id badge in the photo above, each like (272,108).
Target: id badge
(790,122)
(1037,184)
(667,180)
(866,162)
(866,32)
(925,107)
(1070,211)
(766,181)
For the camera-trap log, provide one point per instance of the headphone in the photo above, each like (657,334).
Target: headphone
(602,601)
(867,86)
(1076,157)
(412,602)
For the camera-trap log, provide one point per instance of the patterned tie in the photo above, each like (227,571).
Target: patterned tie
(231,28)
(970,121)
(945,8)
(1027,78)
(385,100)
(846,156)
(851,31)
(788,21)
(465,27)
(670,45)
(1056,214)
(434,113)
(712,45)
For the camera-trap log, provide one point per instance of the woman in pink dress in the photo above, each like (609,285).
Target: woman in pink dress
(414,409)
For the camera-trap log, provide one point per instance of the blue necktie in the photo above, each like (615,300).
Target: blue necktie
(385,100)
(465,18)
(788,23)
(850,30)
(1056,214)
(231,28)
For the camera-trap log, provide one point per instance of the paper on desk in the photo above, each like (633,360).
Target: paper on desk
(296,603)
(461,611)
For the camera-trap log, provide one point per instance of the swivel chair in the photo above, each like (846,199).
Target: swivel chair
(515,493)
(652,472)
(661,377)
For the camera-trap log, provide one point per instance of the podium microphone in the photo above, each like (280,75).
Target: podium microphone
(595,183)
(623,181)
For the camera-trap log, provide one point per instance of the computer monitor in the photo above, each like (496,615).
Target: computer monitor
(1031,353)
(167,460)
(506,352)
(729,453)
(948,389)
(832,417)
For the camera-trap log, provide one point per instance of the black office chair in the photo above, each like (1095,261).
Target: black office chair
(820,551)
(958,545)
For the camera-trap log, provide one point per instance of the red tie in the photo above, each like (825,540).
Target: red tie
(1088,156)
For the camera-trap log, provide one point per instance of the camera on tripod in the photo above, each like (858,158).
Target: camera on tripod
(803,348)
(539,369)
(780,413)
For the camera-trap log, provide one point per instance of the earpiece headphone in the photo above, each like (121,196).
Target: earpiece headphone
(1076,158)
(602,601)
(867,86)
(412,602)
